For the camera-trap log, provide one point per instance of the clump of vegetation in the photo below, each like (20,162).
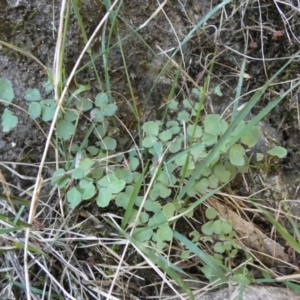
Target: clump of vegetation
(95,169)
(154,180)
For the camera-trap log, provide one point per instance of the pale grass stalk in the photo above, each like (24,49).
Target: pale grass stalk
(135,144)
(288,277)
(39,179)
(61,100)
(97,290)
(153,15)
(57,80)
(24,52)
(118,269)
(255,58)
(168,255)
(7,190)
(137,218)
(176,65)
(262,265)
(149,262)
(175,34)
(285,20)
(68,266)
(262,40)
(69,296)
(13,259)
(16,173)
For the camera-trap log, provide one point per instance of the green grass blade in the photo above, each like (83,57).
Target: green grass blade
(207,259)
(30,248)
(160,261)
(34,290)
(135,192)
(262,114)
(18,216)
(219,270)
(293,286)
(200,201)
(188,36)
(15,200)
(238,90)
(85,38)
(284,233)
(8,230)
(19,223)
(241,116)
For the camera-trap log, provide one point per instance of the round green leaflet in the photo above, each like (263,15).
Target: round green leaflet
(251,137)
(84,104)
(101,99)
(183,116)
(65,129)
(109,109)
(169,210)
(103,197)
(34,110)
(9,120)
(142,234)
(218,247)
(194,131)
(108,143)
(278,151)
(48,109)
(74,197)
(217,226)
(117,186)
(151,127)
(32,95)
(212,124)
(237,155)
(165,233)
(97,115)
(207,228)
(211,213)
(89,191)
(6,91)
(165,135)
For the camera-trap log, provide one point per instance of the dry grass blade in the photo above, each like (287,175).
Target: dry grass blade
(154,14)
(7,190)
(24,52)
